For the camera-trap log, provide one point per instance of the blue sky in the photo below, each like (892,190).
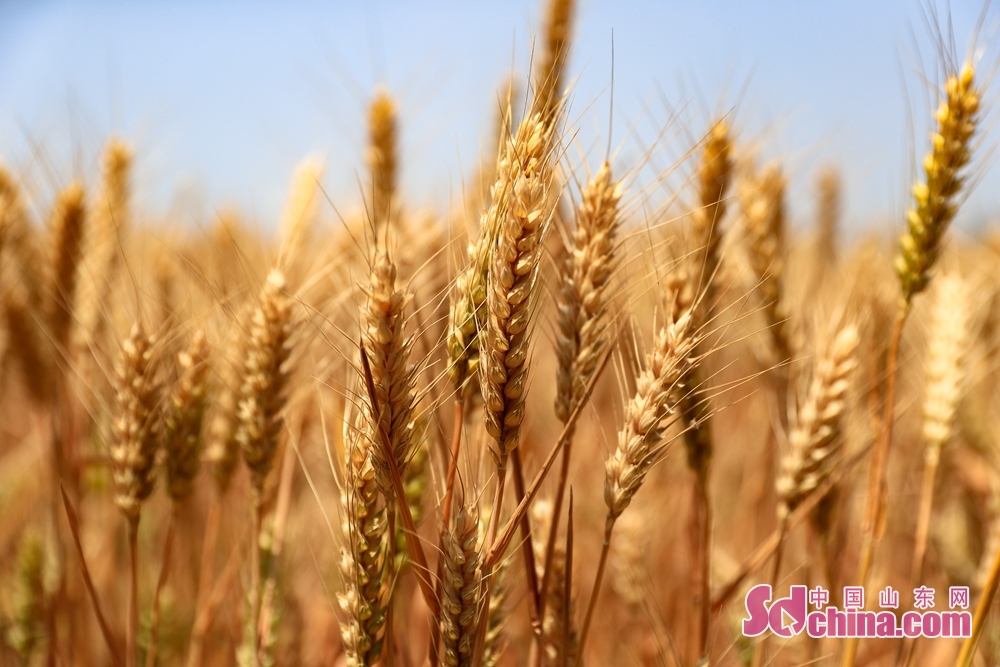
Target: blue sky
(222,99)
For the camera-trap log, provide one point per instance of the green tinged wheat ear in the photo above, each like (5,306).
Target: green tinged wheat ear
(65,250)
(815,437)
(30,598)
(383,322)
(381,157)
(462,582)
(264,381)
(583,290)
(363,559)
(185,414)
(513,271)
(136,426)
(935,198)
(641,440)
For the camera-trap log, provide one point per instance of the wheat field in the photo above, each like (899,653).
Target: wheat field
(570,421)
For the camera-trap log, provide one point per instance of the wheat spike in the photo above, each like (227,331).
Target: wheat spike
(951,313)
(64,255)
(29,599)
(264,381)
(715,171)
(110,219)
(388,348)
(551,69)
(467,315)
(935,202)
(185,413)
(762,202)
(524,214)
(25,345)
(299,215)
(363,559)
(136,423)
(381,158)
(815,433)
(829,187)
(641,438)
(462,581)
(583,291)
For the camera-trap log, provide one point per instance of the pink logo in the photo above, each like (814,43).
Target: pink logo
(785,617)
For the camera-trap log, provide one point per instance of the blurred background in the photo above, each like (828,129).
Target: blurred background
(222,99)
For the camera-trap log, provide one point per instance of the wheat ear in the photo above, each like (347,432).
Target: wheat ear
(383,321)
(136,430)
(513,272)
(381,158)
(582,302)
(641,440)
(363,559)
(935,204)
(26,346)
(263,392)
(815,434)
(264,381)
(828,188)
(65,251)
(946,351)
(715,171)
(763,207)
(935,198)
(551,68)
(462,583)
(468,313)
(185,415)
(522,214)
(111,217)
